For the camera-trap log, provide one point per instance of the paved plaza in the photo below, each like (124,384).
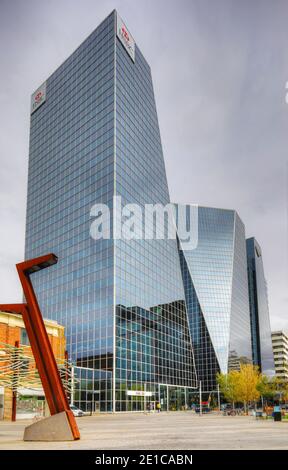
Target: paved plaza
(174,430)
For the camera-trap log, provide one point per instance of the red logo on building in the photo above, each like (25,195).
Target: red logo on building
(125,33)
(38,97)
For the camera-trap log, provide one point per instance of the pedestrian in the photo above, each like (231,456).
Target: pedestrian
(158,406)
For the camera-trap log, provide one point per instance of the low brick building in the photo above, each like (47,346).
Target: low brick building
(17,366)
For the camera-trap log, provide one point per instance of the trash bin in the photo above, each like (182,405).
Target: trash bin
(277,413)
(277,416)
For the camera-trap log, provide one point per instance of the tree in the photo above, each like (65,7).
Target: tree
(248,383)
(284,391)
(267,387)
(228,384)
(240,385)
(272,388)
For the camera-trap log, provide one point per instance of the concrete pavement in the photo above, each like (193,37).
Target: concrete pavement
(173,430)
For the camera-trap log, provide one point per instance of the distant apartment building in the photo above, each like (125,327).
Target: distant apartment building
(280,351)
(259,309)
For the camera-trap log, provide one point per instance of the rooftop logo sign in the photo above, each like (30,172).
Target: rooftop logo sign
(125,37)
(38,97)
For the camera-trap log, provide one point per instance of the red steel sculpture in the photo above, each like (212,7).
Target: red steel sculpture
(39,341)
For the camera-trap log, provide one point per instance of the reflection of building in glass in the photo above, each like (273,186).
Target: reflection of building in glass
(216,288)
(259,309)
(205,358)
(94,134)
(153,347)
(280,351)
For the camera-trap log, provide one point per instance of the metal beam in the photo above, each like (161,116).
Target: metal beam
(39,340)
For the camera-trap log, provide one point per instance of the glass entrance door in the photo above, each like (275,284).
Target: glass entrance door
(176,398)
(163,397)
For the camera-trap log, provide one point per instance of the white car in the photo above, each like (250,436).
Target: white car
(76,411)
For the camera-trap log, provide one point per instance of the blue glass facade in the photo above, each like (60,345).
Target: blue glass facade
(145,320)
(206,362)
(150,302)
(122,302)
(259,310)
(215,281)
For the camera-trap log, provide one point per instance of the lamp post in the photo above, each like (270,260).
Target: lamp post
(219,403)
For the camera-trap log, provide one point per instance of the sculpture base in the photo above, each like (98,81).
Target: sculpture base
(53,428)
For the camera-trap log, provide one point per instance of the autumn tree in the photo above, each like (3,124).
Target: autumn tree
(240,385)
(284,391)
(228,384)
(267,387)
(249,378)
(273,388)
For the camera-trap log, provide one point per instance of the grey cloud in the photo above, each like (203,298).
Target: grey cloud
(219,72)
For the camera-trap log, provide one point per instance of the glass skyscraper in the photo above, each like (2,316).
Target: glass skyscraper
(94,134)
(216,288)
(259,309)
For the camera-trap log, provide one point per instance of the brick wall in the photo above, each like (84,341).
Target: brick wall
(10,332)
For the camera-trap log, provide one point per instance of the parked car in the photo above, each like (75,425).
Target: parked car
(76,411)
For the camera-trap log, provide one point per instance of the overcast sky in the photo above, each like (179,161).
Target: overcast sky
(219,70)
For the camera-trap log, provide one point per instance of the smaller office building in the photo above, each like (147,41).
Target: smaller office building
(216,289)
(280,351)
(259,309)
(19,377)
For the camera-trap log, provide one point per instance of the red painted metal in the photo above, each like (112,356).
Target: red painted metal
(39,341)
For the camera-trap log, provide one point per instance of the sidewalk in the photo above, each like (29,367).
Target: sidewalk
(173,430)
